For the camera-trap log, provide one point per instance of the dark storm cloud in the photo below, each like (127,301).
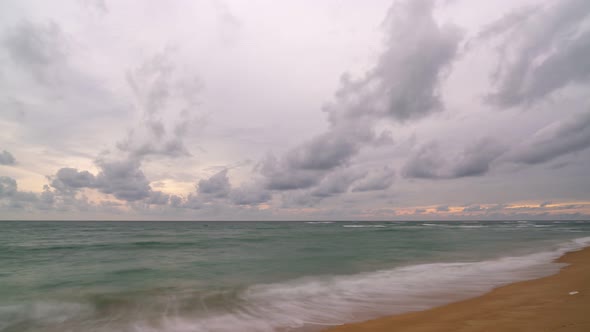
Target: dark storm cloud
(429,162)
(379,179)
(37,48)
(6,158)
(217,186)
(541,52)
(555,140)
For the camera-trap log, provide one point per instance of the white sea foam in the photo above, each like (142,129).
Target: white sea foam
(310,303)
(313,303)
(363,226)
(42,312)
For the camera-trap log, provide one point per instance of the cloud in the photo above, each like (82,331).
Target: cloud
(473,208)
(338,182)
(442,208)
(278,175)
(217,186)
(159,88)
(67,179)
(377,179)
(328,150)
(6,158)
(541,51)
(37,48)
(157,198)
(164,99)
(555,140)
(425,163)
(8,186)
(404,84)
(475,160)
(307,164)
(250,194)
(120,178)
(123,179)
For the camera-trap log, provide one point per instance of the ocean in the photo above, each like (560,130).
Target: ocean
(140,276)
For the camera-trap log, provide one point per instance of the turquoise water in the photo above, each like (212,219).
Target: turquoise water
(257,276)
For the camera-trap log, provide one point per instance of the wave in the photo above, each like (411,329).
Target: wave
(363,226)
(453,226)
(317,302)
(310,303)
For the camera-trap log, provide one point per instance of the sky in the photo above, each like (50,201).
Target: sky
(295,110)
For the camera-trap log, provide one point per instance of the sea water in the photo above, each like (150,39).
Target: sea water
(171,276)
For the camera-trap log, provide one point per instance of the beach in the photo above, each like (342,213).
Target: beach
(288,276)
(547,304)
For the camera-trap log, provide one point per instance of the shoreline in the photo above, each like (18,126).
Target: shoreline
(543,304)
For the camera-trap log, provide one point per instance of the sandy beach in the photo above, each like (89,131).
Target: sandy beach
(546,304)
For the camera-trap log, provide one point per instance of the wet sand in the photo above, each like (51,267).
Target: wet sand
(536,305)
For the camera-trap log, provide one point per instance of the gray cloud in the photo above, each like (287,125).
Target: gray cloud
(377,179)
(541,51)
(278,175)
(157,198)
(123,179)
(6,158)
(327,151)
(306,165)
(14,198)
(37,48)
(250,194)
(425,163)
(402,86)
(71,179)
(216,186)
(338,182)
(158,88)
(8,186)
(442,208)
(473,208)
(404,83)
(475,160)
(555,140)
